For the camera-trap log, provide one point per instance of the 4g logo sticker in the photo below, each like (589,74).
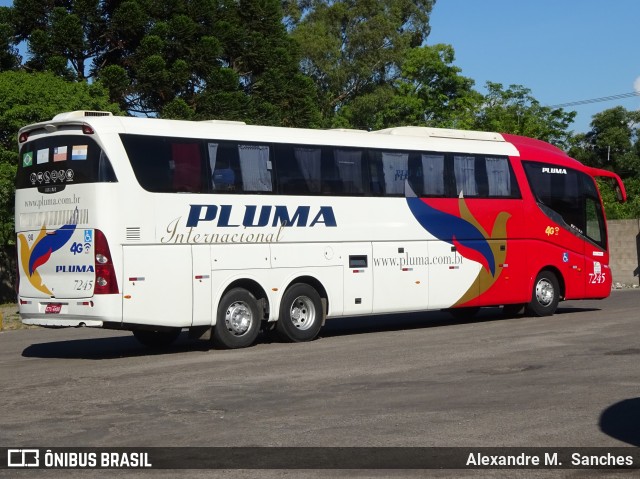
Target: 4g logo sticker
(77,248)
(552,231)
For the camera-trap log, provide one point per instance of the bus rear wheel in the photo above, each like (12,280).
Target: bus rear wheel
(545,295)
(238,320)
(300,314)
(156,339)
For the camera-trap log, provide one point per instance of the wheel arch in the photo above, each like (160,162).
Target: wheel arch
(558,275)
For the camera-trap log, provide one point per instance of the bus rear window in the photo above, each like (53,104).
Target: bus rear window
(52,163)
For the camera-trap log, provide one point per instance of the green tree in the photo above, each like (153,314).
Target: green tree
(62,36)
(352,48)
(10,58)
(191,59)
(429,91)
(613,143)
(205,59)
(48,95)
(516,111)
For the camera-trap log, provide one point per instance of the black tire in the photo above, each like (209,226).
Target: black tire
(511,310)
(238,320)
(156,339)
(301,314)
(545,295)
(467,312)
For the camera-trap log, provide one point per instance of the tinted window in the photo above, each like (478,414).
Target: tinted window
(440,175)
(320,170)
(569,198)
(199,166)
(52,163)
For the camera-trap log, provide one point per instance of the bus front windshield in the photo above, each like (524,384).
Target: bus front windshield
(570,198)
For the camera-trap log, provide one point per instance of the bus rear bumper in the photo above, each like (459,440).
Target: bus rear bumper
(70,313)
(60,322)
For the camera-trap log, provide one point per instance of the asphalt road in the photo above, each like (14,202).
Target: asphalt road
(413,380)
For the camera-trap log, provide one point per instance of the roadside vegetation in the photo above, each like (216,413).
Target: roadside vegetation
(302,63)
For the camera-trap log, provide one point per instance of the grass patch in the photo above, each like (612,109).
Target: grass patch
(10,317)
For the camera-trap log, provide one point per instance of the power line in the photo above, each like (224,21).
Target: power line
(597,100)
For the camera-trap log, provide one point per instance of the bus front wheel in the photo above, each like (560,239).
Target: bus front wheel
(238,321)
(545,295)
(300,314)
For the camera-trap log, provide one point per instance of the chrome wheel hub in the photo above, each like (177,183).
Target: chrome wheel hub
(238,318)
(303,313)
(544,292)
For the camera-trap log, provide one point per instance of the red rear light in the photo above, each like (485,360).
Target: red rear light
(106,281)
(87,130)
(24,136)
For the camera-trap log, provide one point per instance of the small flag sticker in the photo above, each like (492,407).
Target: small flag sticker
(27,158)
(79,152)
(60,153)
(43,156)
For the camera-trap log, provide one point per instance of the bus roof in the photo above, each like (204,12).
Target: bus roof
(401,138)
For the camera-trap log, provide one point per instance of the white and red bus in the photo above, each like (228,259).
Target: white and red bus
(156,226)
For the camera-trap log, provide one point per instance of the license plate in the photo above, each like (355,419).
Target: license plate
(53,308)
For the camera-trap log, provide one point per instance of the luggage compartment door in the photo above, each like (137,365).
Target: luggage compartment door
(157,285)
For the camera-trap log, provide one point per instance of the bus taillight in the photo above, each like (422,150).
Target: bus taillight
(106,282)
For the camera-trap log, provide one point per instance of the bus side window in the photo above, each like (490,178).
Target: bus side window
(150,161)
(499,177)
(395,171)
(427,174)
(376,173)
(298,169)
(255,168)
(348,172)
(464,168)
(186,163)
(225,167)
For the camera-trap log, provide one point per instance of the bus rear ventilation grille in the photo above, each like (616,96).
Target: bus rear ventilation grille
(133,234)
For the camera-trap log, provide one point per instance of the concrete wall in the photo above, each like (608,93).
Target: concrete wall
(624,244)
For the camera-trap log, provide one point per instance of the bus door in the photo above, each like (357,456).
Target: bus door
(358,278)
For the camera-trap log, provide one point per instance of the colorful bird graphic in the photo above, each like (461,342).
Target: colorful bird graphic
(471,240)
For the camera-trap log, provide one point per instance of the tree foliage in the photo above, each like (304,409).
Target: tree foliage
(311,63)
(28,98)
(352,48)
(514,110)
(47,95)
(428,91)
(613,143)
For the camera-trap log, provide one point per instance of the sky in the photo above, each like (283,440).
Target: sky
(562,50)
